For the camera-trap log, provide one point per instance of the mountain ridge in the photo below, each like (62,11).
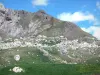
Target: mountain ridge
(21,23)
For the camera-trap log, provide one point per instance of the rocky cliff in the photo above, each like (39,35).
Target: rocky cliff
(21,23)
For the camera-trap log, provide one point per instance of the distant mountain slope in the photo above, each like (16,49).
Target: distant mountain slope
(15,23)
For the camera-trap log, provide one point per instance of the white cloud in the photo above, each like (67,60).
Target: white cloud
(93,29)
(76,17)
(86,29)
(40,2)
(98,5)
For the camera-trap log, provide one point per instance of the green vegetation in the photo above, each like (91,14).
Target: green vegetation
(53,69)
(50,41)
(45,58)
(43,65)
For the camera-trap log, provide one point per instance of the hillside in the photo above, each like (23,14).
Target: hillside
(38,38)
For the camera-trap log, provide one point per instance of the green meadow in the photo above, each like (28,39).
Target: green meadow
(33,62)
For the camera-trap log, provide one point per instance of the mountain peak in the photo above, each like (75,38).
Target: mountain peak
(41,11)
(22,24)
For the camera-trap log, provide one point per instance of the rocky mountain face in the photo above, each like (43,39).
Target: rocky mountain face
(42,38)
(17,24)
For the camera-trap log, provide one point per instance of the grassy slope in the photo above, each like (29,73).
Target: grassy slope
(42,65)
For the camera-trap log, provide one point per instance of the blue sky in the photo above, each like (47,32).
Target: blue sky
(85,13)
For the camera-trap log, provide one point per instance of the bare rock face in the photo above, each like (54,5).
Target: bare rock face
(26,24)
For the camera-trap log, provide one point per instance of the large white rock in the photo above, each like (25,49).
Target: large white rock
(17,70)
